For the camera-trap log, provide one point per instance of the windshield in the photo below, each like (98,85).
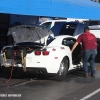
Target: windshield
(46,25)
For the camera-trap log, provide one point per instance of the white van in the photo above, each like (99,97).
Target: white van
(95,29)
(50,23)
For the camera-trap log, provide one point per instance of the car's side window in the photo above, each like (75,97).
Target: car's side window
(46,25)
(68,42)
(49,39)
(68,29)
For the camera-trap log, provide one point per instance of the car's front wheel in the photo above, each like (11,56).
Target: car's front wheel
(63,69)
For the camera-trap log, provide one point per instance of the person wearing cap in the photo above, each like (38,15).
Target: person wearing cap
(89,50)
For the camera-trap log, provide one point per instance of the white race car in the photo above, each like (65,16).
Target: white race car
(36,49)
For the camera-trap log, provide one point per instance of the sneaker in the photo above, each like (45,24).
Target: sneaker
(92,75)
(85,75)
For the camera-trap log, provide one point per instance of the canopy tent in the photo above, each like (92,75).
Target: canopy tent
(85,9)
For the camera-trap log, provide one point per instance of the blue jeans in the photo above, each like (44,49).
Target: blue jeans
(89,56)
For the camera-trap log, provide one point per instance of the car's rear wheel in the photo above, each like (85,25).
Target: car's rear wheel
(63,69)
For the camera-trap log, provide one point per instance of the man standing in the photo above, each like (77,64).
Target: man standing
(89,49)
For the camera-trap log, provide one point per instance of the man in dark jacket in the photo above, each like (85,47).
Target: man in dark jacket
(89,49)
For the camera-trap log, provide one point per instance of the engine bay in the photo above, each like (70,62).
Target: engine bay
(17,53)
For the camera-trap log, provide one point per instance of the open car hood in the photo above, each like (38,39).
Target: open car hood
(30,33)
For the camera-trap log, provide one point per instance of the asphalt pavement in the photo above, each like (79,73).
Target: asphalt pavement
(75,87)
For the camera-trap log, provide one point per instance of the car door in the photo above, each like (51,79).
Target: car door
(97,59)
(76,55)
